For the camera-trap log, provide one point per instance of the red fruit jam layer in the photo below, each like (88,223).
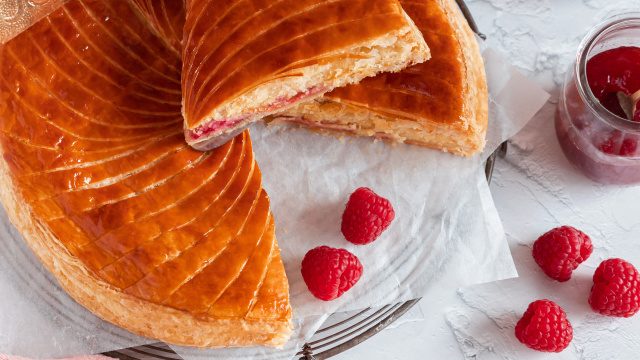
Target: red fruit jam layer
(280,103)
(613,71)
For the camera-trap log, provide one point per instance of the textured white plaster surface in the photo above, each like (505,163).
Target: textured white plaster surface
(535,189)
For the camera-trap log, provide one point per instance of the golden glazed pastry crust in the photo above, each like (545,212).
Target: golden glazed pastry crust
(129,312)
(442,103)
(167,242)
(166,19)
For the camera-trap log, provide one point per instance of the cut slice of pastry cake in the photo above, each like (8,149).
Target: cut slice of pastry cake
(165,241)
(244,60)
(441,104)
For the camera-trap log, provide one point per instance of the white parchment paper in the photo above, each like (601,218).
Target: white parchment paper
(447,232)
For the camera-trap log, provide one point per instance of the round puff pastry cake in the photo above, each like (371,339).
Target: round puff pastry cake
(441,104)
(176,244)
(167,242)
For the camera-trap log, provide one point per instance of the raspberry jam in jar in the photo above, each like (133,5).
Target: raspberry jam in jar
(598,116)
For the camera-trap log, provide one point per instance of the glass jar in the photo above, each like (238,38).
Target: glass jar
(604,146)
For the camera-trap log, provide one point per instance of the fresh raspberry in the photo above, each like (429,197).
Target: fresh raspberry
(330,272)
(544,327)
(616,289)
(561,250)
(366,216)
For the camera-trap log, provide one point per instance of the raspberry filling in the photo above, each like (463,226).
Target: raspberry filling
(281,102)
(213,126)
(613,72)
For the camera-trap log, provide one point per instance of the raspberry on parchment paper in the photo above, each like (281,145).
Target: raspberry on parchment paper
(366,216)
(330,272)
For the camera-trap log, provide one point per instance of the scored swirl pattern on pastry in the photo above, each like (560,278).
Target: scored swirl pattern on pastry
(166,17)
(91,133)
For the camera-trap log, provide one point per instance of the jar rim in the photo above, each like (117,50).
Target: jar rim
(587,44)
